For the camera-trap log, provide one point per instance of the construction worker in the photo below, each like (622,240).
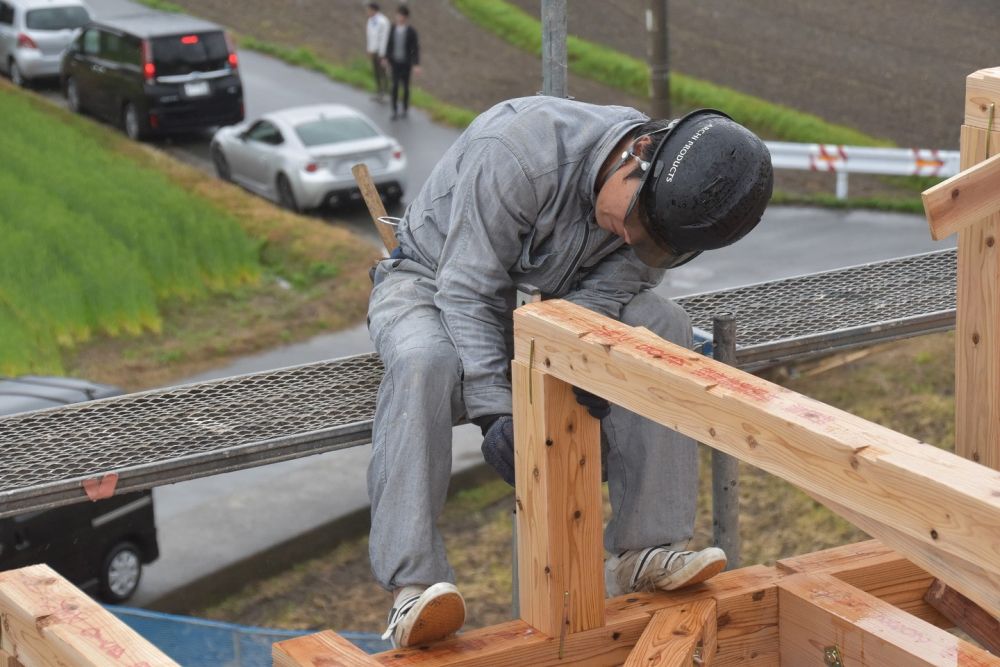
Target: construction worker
(588,203)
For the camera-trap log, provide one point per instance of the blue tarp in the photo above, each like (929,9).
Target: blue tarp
(196,642)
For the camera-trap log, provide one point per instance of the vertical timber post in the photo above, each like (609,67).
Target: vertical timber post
(557,463)
(977,338)
(725,468)
(554,27)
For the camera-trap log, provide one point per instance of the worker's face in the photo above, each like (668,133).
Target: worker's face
(619,211)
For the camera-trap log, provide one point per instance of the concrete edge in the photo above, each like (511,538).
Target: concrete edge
(214,587)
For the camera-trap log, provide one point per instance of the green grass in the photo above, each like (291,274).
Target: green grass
(93,243)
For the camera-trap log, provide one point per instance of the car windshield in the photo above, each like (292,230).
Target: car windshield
(56,18)
(333,130)
(183,54)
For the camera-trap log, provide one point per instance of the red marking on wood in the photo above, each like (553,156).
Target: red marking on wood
(615,335)
(68,613)
(739,386)
(101,488)
(811,415)
(660,353)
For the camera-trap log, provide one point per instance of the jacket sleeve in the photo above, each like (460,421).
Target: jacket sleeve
(613,282)
(384,29)
(415,50)
(494,205)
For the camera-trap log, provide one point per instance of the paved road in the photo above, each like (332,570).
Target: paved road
(208,525)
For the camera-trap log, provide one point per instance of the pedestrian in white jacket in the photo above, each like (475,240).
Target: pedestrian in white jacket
(376,38)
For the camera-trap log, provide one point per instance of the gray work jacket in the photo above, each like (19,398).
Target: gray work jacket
(513,201)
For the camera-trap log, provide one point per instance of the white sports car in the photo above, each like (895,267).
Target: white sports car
(302,157)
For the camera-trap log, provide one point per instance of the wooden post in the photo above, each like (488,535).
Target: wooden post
(557,465)
(977,340)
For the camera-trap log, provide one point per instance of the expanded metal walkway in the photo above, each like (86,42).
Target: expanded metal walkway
(170,435)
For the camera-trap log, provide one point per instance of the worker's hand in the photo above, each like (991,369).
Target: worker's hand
(498,446)
(598,407)
(417,69)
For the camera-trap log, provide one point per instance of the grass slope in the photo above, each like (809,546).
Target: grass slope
(93,244)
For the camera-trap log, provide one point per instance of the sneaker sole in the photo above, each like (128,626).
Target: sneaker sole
(695,572)
(441,615)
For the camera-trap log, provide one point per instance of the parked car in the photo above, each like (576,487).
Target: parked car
(302,157)
(154,73)
(100,546)
(34,34)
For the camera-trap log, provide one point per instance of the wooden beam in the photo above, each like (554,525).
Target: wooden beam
(966,615)
(47,621)
(747,619)
(966,198)
(877,570)
(977,337)
(557,460)
(322,648)
(820,611)
(675,636)
(981,584)
(947,506)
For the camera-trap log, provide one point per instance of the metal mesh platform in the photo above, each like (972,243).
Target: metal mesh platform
(786,319)
(170,435)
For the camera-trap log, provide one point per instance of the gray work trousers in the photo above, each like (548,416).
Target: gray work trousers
(652,471)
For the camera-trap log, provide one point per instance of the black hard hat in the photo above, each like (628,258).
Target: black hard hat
(709,182)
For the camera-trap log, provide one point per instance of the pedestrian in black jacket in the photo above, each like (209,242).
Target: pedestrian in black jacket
(402,54)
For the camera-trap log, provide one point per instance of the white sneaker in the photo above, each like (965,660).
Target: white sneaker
(661,568)
(422,615)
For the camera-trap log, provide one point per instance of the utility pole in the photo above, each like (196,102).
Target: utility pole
(659,58)
(554,61)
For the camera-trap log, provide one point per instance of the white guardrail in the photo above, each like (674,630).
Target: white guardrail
(844,160)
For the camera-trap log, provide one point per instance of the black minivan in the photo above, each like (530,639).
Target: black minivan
(154,73)
(100,546)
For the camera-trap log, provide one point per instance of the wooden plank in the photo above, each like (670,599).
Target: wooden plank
(966,615)
(819,611)
(877,570)
(322,649)
(948,506)
(966,198)
(375,208)
(964,576)
(47,621)
(675,636)
(747,618)
(977,327)
(557,460)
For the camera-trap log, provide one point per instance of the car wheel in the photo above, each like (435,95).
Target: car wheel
(73,96)
(221,164)
(285,195)
(16,77)
(132,123)
(121,572)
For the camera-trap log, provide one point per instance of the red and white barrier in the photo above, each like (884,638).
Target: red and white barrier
(844,160)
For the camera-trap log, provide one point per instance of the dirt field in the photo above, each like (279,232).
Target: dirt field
(892,68)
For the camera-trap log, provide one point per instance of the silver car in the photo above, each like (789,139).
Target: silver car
(34,34)
(302,157)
